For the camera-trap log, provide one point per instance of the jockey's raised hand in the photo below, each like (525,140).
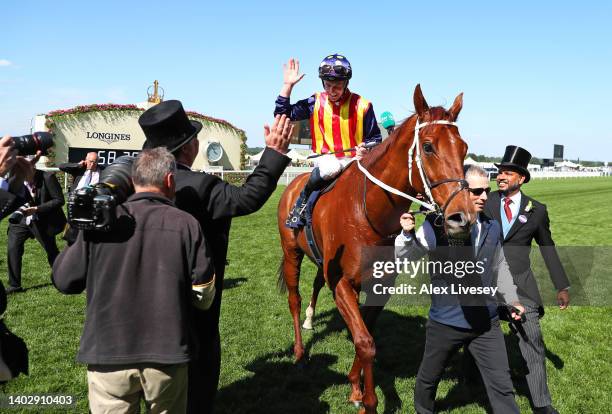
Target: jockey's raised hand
(291,76)
(278,136)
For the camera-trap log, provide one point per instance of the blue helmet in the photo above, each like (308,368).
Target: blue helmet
(335,67)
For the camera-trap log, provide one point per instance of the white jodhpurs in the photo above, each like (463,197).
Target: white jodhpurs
(330,165)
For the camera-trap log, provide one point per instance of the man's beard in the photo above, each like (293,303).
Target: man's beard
(511,188)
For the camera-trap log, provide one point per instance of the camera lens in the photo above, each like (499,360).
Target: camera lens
(30,144)
(118,176)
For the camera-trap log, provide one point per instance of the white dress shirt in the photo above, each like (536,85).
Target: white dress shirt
(95,177)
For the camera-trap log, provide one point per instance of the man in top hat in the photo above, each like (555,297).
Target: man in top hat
(213,202)
(523,219)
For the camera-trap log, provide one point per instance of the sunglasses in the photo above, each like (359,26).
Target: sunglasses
(338,69)
(478,191)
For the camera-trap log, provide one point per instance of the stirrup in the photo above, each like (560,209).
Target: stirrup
(297,217)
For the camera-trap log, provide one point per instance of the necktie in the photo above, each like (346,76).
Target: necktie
(87,179)
(507,210)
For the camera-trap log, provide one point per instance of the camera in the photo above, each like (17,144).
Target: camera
(30,144)
(17,215)
(94,207)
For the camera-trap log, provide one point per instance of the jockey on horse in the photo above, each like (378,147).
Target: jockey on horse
(339,120)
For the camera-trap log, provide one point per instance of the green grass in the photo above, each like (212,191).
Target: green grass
(258,375)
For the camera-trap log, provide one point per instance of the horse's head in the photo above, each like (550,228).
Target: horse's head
(442,152)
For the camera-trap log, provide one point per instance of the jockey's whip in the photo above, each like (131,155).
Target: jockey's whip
(367,145)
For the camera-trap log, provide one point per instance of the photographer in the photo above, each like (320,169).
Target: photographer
(142,279)
(18,167)
(12,162)
(41,217)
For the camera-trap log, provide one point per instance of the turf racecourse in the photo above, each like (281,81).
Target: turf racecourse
(258,375)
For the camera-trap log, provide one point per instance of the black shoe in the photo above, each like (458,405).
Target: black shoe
(297,217)
(13,289)
(549,409)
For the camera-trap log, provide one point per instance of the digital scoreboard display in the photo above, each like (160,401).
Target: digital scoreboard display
(558,152)
(105,156)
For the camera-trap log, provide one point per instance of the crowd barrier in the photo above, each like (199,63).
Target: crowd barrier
(239,176)
(567,174)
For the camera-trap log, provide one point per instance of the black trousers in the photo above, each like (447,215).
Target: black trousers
(17,236)
(489,351)
(205,367)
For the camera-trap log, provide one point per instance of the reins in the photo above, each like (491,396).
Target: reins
(414,155)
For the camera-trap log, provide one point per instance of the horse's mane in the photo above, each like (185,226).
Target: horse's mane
(437,112)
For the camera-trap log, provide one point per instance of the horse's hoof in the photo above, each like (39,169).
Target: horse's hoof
(307,325)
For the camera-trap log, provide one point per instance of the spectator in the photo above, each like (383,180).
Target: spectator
(85,172)
(213,202)
(456,320)
(42,218)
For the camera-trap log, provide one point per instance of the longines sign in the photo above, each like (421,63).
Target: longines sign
(108,137)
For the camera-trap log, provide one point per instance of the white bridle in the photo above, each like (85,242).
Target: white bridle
(431,205)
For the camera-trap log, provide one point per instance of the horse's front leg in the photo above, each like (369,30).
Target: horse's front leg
(365,350)
(317,285)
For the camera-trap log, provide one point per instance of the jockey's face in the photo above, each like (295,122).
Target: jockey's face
(334,89)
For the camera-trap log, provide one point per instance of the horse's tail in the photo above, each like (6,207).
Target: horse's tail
(280,283)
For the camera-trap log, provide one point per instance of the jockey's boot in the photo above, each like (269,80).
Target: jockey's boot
(297,217)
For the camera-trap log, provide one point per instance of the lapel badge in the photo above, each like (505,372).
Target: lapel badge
(522,218)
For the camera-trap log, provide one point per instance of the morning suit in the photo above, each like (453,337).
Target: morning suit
(48,221)
(456,321)
(531,223)
(214,202)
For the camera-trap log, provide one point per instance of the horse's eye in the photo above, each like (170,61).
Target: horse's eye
(428,148)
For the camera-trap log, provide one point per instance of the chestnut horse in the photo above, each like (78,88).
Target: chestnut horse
(353,216)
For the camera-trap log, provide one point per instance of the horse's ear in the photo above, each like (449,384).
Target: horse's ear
(420,104)
(456,108)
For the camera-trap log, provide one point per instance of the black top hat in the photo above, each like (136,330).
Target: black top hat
(516,159)
(166,124)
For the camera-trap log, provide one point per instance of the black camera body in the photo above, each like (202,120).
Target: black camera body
(95,207)
(30,144)
(92,208)
(17,215)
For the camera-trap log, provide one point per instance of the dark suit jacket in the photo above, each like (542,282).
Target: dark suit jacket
(76,171)
(517,246)
(213,202)
(49,199)
(9,202)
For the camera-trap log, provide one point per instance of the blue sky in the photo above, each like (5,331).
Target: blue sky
(532,74)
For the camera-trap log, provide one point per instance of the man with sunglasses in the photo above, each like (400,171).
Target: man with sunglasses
(339,120)
(457,320)
(523,220)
